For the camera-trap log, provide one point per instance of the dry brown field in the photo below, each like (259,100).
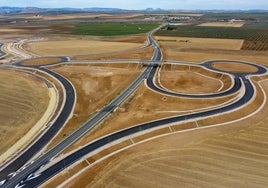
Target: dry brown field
(79,16)
(180,51)
(139,54)
(41,61)
(76,46)
(180,78)
(139,38)
(234,67)
(146,105)
(180,81)
(185,43)
(96,85)
(9,30)
(233,155)
(12,32)
(223,24)
(23,101)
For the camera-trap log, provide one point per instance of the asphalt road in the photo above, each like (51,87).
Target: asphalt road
(208,64)
(83,129)
(148,73)
(62,60)
(67,161)
(260,68)
(235,88)
(40,143)
(1,52)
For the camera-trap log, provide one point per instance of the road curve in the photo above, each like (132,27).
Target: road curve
(260,69)
(152,67)
(72,158)
(241,80)
(50,133)
(151,84)
(45,158)
(1,52)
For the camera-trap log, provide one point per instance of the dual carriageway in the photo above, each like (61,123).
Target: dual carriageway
(28,178)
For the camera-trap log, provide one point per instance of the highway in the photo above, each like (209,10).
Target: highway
(241,80)
(149,73)
(83,129)
(1,52)
(22,158)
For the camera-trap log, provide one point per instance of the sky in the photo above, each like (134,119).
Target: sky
(142,4)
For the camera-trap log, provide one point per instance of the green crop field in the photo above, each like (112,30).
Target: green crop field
(111,29)
(255,35)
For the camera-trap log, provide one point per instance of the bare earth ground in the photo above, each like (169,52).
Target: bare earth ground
(79,46)
(234,67)
(140,54)
(8,33)
(139,38)
(228,156)
(179,82)
(95,86)
(143,106)
(41,61)
(180,51)
(223,24)
(175,69)
(23,101)
(79,16)
(189,82)
(179,43)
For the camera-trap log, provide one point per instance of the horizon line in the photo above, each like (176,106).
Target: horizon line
(134,9)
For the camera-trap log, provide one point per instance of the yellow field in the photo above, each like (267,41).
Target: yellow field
(185,43)
(41,61)
(76,16)
(207,49)
(23,101)
(223,24)
(234,67)
(189,81)
(139,54)
(78,47)
(5,30)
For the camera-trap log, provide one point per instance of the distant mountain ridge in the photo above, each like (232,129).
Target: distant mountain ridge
(5,10)
(15,10)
